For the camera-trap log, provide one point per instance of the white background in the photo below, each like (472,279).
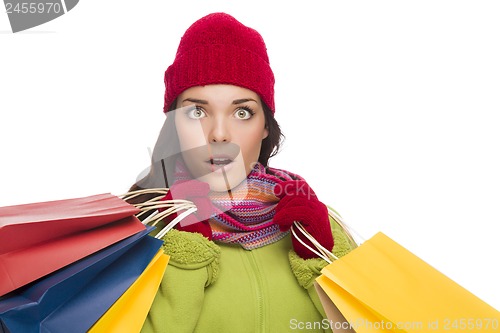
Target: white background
(390,109)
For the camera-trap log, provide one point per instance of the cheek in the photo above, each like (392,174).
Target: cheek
(190,135)
(250,145)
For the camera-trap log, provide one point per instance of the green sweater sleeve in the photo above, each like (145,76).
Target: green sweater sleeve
(193,266)
(307,270)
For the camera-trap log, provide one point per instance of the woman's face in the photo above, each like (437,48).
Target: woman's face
(220,129)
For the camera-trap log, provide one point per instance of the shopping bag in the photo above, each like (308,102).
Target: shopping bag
(37,239)
(129,312)
(382,287)
(72,299)
(43,221)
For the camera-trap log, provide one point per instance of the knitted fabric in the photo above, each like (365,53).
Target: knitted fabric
(192,251)
(245,216)
(218,49)
(307,270)
(298,202)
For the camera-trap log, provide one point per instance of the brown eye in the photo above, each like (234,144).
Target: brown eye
(196,113)
(243,114)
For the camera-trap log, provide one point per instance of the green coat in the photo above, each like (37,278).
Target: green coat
(209,287)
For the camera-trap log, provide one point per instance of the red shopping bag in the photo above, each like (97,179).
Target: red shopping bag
(73,298)
(39,238)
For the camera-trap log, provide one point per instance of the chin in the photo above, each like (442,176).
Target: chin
(217,182)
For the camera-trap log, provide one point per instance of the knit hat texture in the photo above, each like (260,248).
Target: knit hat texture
(218,49)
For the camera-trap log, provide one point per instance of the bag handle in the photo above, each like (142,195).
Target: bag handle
(322,252)
(348,230)
(169,207)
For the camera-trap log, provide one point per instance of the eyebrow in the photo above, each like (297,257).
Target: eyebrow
(243,100)
(235,102)
(194,100)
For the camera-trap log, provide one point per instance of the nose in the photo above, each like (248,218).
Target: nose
(219,131)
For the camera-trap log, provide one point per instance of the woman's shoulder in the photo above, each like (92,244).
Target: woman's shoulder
(190,250)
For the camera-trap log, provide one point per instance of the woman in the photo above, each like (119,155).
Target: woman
(233,265)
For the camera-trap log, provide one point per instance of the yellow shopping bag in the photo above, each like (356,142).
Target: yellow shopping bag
(128,313)
(382,287)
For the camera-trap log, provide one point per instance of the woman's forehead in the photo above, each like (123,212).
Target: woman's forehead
(219,93)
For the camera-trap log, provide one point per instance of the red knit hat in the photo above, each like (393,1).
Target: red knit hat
(218,49)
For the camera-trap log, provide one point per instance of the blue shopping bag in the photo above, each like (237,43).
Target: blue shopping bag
(72,299)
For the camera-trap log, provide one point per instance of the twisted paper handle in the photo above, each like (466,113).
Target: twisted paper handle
(320,250)
(155,203)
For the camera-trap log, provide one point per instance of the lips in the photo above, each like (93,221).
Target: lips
(220,160)
(220,163)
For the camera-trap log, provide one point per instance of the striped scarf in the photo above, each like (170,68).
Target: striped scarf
(245,215)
